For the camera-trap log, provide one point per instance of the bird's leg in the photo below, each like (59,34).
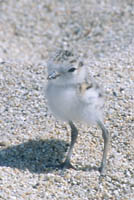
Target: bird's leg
(74,134)
(106,137)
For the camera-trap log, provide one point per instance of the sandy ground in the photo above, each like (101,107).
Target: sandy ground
(102,32)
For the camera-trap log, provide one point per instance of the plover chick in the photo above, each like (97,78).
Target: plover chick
(73,98)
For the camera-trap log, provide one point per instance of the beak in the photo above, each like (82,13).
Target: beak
(53,75)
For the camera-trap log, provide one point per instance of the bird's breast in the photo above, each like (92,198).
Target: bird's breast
(62,101)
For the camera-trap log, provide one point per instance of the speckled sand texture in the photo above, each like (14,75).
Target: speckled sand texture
(102,32)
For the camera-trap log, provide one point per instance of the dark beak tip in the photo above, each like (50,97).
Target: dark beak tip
(49,77)
(52,76)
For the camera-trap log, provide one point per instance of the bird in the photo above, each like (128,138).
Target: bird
(74,97)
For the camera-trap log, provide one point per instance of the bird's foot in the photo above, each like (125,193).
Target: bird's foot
(66,165)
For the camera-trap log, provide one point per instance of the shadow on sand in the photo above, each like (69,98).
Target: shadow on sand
(34,155)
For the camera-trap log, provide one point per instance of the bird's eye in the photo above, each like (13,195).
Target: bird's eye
(72,69)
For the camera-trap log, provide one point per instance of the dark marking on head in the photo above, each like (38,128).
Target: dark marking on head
(81,64)
(72,61)
(67,53)
(63,55)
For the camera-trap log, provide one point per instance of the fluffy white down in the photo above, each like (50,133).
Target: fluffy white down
(66,104)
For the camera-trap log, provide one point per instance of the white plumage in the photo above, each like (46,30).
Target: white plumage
(71,97)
